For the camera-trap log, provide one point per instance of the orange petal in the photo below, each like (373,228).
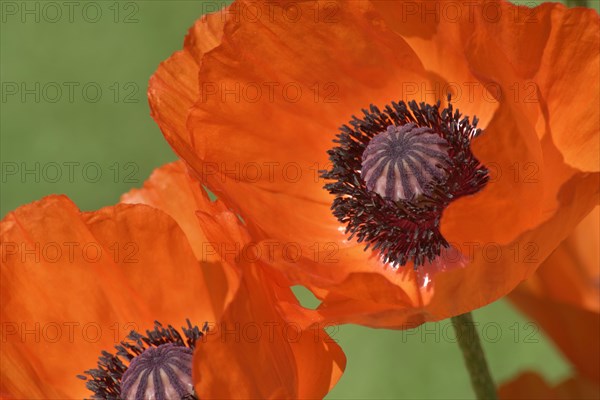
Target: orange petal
(569,81)
(551,50)
(495,269)
(355,287)
(174,87)
(552,54)
(173,190)
(438,31)
(265,356)
(570,275)
(510,205)
(213,231)
(530,386)
(76,283)
(574,330)
(259,136)
(563,296)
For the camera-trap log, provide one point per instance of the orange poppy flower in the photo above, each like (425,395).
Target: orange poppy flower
(74,284)
(253,102)
(564,298)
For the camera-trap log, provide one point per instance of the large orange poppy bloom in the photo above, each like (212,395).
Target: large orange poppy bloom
(75,283)
(254,100)
(564,298)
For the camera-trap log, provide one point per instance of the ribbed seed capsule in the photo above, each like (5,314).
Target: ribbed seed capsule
(400,162)
(161,373)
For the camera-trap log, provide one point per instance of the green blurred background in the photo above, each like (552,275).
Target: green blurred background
(98,132)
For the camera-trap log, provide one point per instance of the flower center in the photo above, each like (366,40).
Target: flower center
(401,162)
(159,366)
(393,173)
(163,372)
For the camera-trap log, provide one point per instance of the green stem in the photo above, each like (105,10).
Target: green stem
(468,340)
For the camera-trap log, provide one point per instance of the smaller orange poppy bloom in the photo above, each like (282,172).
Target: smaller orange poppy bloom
(564,298)
(76,283)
